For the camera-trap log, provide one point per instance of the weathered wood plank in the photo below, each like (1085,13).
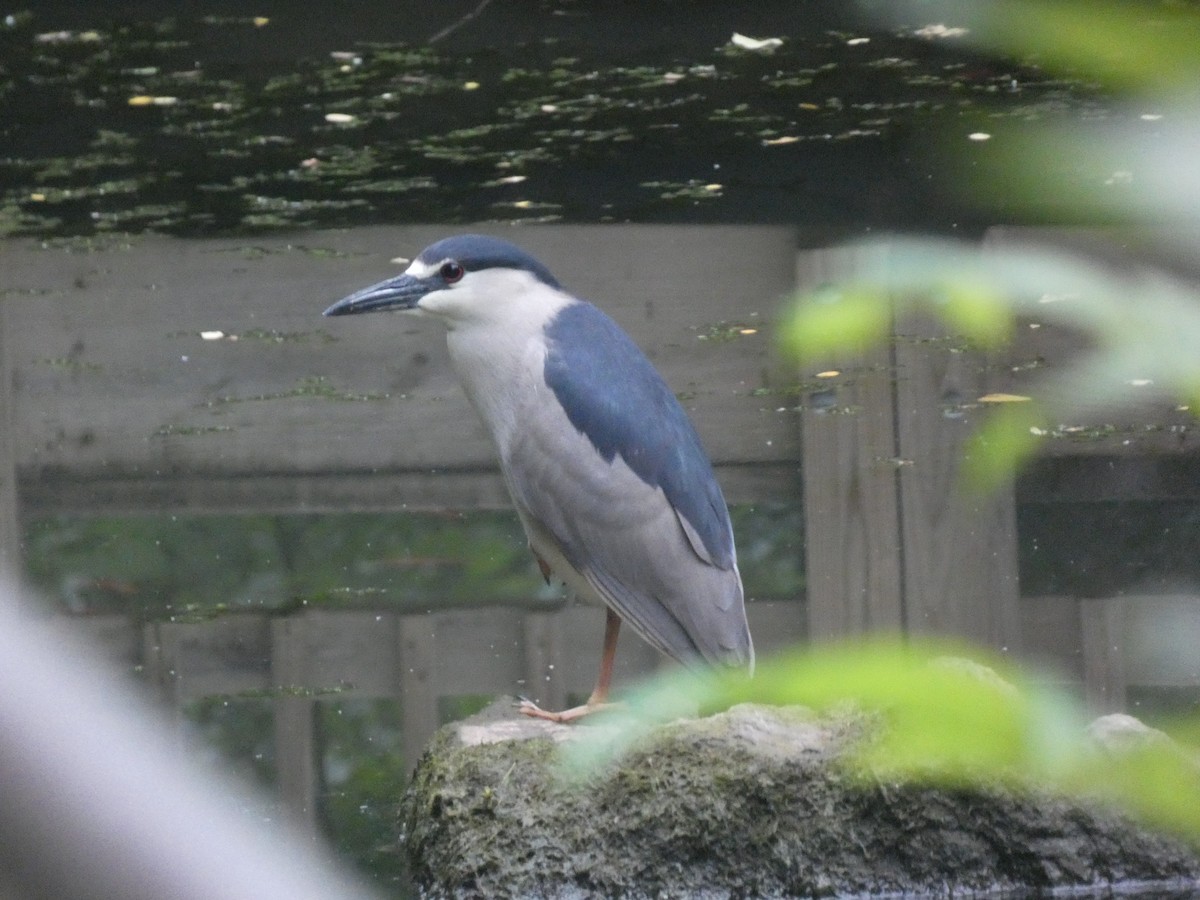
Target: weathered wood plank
(1161,633)
(959,546)
(543,683)
(1154,634)
(416,681)
(10,532)
(851,517)
(197,493)
(297,763)
(1051,637)
(230,655)
(893,539)
(1102,635)
(351,651)
(1108,646)
(1156,424)
(115,382)
(114,638)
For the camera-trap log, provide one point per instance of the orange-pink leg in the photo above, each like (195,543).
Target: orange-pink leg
(599,698)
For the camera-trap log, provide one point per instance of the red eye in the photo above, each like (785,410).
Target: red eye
(451,271)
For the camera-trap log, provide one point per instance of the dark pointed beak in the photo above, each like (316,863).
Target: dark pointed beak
(401,292)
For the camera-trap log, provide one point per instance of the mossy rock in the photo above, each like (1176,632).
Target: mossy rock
(748,803)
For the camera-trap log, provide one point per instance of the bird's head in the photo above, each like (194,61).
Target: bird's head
(465,278)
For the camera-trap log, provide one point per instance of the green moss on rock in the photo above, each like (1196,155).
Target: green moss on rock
(749,803)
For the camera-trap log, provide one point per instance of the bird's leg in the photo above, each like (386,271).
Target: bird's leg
(612,631)
(542,564)
(599,698)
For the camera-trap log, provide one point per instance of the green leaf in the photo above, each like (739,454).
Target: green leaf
(1129,45)
(977,310)
(1008,438)
(837,320)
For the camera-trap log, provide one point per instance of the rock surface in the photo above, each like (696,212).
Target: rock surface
(748,803)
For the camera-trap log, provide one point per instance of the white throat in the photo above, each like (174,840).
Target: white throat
(497,341)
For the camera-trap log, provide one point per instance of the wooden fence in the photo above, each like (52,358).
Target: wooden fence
(164,376)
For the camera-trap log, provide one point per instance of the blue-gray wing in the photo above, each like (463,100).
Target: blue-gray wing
(616,398)
(606,469)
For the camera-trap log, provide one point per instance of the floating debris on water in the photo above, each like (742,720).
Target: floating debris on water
(756,45)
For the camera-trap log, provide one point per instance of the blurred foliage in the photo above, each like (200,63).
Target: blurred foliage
(1132,46)
(1132,166)
(942,718)
(1144,325)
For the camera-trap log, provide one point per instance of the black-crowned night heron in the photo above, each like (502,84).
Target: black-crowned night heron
(616,494)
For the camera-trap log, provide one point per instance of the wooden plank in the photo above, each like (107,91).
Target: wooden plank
(230,655)
(10,531)
(60,493)
(282,492)
(369,653)
(115,382)
(297,753)
(543,683)
(959,547)
(1051,641)
(416,683)
(1103,634)
(478,647)
(776,625)
(352,652)
(853,556)
(1161,634)
(1156,425)
(116,638)
(893,540)
(1108,645)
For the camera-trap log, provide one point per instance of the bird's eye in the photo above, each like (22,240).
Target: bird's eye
(451,271)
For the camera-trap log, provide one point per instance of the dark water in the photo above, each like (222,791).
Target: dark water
(537,112)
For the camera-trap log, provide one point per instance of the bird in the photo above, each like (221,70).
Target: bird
(606,471)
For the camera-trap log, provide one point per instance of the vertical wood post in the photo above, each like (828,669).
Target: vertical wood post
(544,684)
(895,541)
(851,518)
(852,529)
(417,676)
(296,759)
(10,533)
(959,545)
(1102,622)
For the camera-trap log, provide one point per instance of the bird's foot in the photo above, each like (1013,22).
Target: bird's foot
(574,714)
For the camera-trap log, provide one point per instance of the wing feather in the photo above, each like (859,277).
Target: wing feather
(636,550)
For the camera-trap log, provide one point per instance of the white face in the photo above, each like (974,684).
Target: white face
(510,297)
